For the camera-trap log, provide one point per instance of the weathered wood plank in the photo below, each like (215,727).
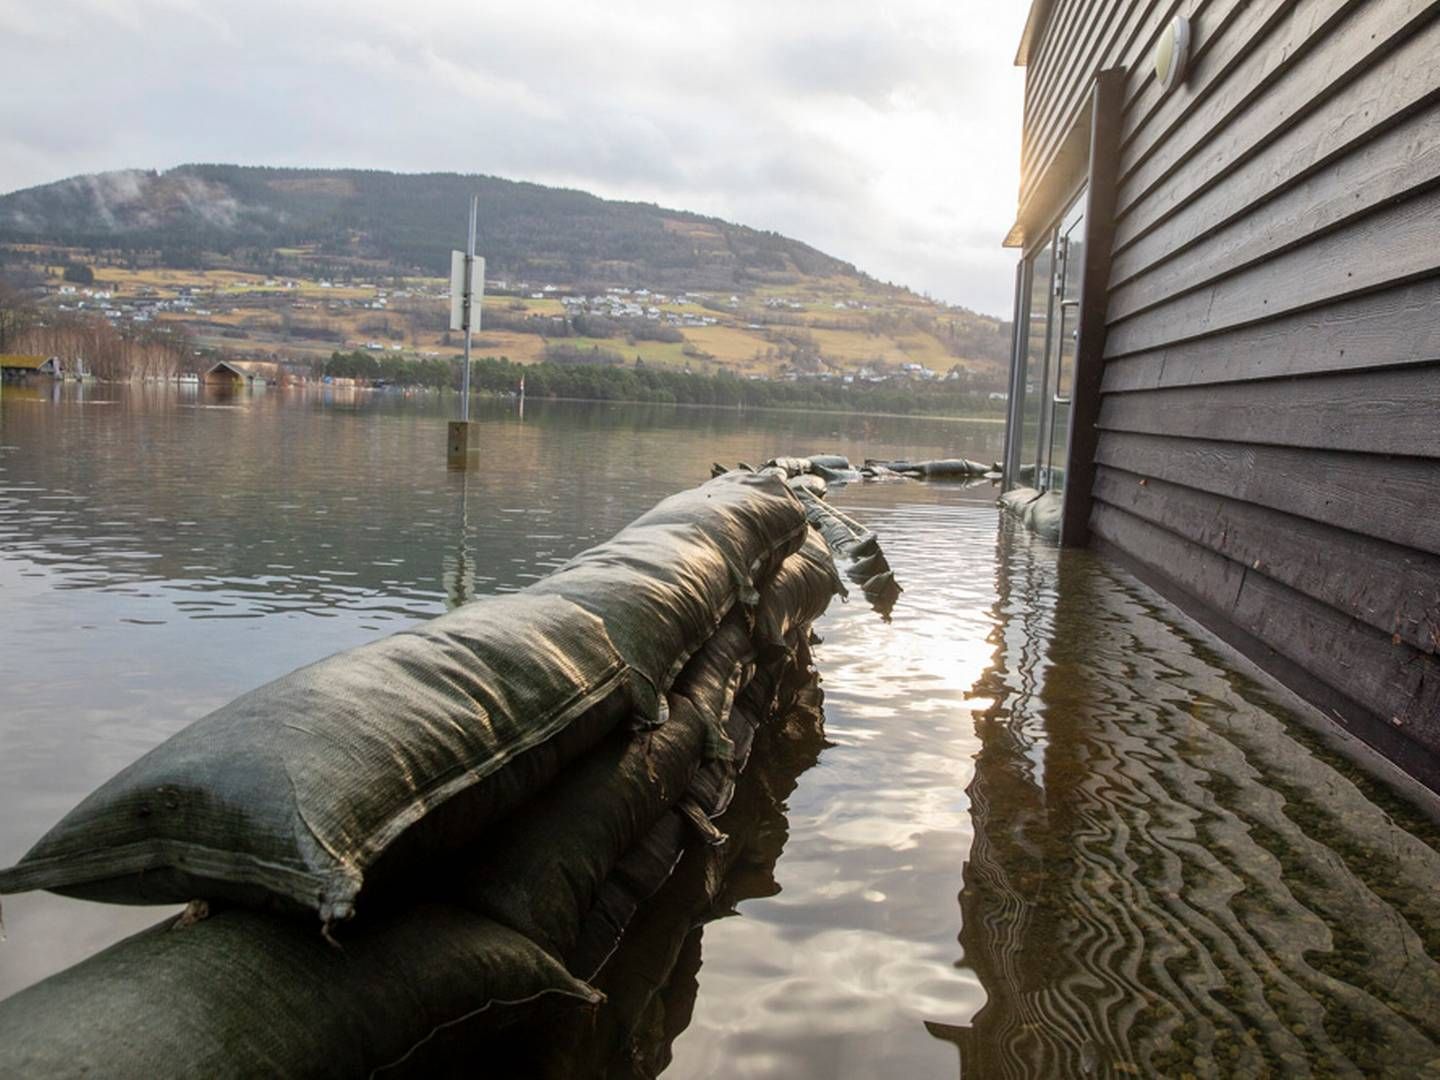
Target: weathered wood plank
(1221,36)
(1327,45)
(1307,55)
(1392,326)
(1135,41)
(1394,499)
(1390,246)
(1038,113)
(1052,39)
(1074,19)
(1394,589)
(1393,411)
(1039,77)
(1032,36)
(1397,164)
(1395,682)
(1404,81)
(1083,47)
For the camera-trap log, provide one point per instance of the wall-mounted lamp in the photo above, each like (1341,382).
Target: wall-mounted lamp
(1172,53)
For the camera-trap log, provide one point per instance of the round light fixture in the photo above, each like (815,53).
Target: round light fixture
(1172,53)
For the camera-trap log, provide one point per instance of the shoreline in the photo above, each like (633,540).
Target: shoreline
(949,417)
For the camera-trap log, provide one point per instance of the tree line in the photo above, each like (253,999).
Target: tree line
(597,377)
(94,344)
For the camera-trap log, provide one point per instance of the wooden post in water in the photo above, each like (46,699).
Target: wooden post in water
(465,271)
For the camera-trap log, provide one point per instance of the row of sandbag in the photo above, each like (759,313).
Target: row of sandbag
(650,981)
(855,547)
(936,469)
(701,603)
(836,468)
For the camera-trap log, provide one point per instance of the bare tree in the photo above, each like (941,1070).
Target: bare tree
(16,313)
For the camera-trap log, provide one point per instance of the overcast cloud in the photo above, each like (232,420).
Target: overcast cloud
(886,134)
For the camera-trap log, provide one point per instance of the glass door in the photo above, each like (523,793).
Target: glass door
(1033,345)
(1045,354)
(1064,337)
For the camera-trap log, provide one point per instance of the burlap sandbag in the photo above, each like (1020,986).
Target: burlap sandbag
(539,873)
(664,583)
(293,793)
(245,994)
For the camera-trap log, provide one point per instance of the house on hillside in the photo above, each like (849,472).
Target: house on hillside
(1226,360)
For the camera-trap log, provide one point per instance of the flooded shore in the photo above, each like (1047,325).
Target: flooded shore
(1047,828)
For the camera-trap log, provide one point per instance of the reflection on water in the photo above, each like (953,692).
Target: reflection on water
(1167,877)
(1157,872)
(166,550)
(653,981)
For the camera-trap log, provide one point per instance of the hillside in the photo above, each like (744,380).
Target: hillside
(262,219)
(291,265)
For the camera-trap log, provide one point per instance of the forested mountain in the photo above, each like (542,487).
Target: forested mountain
(253,216)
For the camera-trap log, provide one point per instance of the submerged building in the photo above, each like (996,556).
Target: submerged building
(1226,365)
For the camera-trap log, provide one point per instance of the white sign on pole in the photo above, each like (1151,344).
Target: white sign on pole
(459,287)
(457,290)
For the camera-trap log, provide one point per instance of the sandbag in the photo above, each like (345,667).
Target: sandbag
(835,476)
(245,994)
(953,467)
(936,469)
(858,550)
(881,473)
(846,537)
(540,873)
(646,867)
(792,467)
(652,971)
(798,594)
(663,584)
(292,793)
(810,482)
(1038,511)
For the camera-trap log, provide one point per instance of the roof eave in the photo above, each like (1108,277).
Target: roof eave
(1034,26)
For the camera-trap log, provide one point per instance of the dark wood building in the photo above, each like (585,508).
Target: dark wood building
(1227,349)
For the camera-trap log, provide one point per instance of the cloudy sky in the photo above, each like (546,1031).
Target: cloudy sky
(886,134)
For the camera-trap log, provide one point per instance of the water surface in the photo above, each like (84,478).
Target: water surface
(1049,831)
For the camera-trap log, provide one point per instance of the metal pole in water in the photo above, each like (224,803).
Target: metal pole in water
(469,307)
(465,268)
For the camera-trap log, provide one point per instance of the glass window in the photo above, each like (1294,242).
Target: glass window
(1070,257)
(1029,384)
(1045,354)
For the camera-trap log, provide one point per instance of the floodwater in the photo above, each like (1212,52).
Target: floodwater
(1047,830)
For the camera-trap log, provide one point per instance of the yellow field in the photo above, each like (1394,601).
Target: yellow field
(244,314)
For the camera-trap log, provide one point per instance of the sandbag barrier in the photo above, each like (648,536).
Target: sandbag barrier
(1037,511)
(858,550)
(819,471)
(475,807)
(938,469)
(851,544)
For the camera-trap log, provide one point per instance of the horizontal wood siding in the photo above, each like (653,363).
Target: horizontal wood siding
(1394,681)
(1394,589)
(1391,411)
(1057,83)
(1269,427)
